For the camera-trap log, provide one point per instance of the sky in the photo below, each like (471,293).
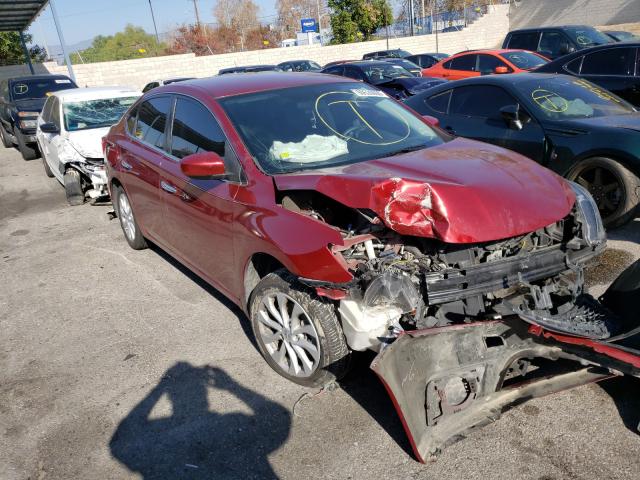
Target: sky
(84,19)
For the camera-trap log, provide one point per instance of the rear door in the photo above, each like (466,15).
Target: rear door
(614,70)
(199,213)
(464,66)
(142,156)
(471,115)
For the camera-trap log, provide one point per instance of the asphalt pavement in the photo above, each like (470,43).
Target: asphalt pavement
(117,363)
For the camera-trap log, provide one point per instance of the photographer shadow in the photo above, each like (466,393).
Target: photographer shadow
(194,441)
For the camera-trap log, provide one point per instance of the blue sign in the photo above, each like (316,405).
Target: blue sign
(308,25)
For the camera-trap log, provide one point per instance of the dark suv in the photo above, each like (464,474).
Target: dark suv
(553,42)
(397,53)
(21,100)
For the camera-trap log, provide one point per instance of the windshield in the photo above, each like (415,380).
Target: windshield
(383,72)
(399,53)
(587,36)
(38,88)
(95,113)
(406,64)
(324,125)
(571,98)
(524,60)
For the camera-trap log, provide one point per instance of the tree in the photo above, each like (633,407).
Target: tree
(11,52)
(290,12)
(240,16)
(133,42)
(354,19)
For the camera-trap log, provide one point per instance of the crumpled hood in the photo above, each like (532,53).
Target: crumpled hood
(30,104)
(462,191)
(88,142)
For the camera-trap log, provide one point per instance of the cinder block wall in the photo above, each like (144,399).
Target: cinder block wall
(487,32)
(540,13)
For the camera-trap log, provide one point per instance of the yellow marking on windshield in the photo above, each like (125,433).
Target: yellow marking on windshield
(603,94)
(550,101)
(359,115)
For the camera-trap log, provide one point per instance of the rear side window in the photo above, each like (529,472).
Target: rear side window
(574,65)
(337,70)
(524,41)
(353,72)
(612,61)
(152,121)
(439,103)
(464,62)
(472,101)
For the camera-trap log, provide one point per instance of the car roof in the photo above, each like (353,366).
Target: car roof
(557,27)
(76,94)
(498,80)
(38,77)
(490,51)
(226,86)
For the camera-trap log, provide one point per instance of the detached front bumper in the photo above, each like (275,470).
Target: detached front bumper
(446,381)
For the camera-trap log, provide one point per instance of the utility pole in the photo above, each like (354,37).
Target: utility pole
(195,7)
(153,17)
(54,13)
(411,16)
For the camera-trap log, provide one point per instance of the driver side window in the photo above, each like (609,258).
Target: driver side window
(471,101)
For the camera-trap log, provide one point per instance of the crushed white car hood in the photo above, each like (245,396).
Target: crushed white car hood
(88,142)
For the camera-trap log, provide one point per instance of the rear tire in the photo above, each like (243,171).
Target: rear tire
(73,187)
(28,152)
(613,187)
(130,227)
(306,345)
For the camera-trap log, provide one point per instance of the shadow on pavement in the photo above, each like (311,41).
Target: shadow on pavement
(194,441)
(623,392)
(363,385)
(219,296)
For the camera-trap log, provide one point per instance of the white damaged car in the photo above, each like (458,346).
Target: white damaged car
(69,135)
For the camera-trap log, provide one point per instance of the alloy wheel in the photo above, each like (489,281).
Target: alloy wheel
(605,187)
(288,335)
(126,217)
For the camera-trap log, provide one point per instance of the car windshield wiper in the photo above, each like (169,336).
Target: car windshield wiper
(414,148)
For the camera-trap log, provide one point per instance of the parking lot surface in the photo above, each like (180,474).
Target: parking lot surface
(121,364)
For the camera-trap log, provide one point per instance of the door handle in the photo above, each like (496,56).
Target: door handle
(126,165)
(167,187)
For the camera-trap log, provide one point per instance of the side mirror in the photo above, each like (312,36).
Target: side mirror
(501,69)
(433,121)
(203,165)
(49,128)
(511,116)
(566,48)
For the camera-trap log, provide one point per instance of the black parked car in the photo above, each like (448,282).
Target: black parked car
(621,35)
(250,69)
(392,79)
(396,53)
(426,60)
(553,42)
(407,65)
(612,66)
(299,66)
(570,125)
(21,100)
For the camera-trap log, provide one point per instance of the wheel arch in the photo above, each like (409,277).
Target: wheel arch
(623,158)
(257,266)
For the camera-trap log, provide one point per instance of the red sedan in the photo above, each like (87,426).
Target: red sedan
(339,220)
(485,62)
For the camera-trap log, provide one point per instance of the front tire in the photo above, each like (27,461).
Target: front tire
(73,187)
(613,187)
(6,143)
(130,228)
(298,333)
(28,152)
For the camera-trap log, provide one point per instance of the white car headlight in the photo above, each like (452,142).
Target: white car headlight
(592,228)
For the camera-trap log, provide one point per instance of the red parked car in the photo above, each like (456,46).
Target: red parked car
(339,220)
(474,63)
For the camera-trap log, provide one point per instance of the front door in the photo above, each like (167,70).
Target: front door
(471,116)
(613,70)
(199,213)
